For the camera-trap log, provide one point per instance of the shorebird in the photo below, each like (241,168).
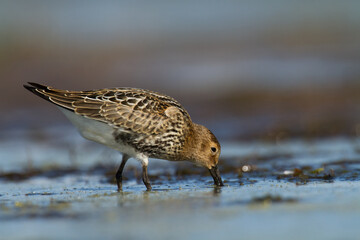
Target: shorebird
(139,123)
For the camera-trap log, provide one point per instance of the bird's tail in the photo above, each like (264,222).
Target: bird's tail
(62,98)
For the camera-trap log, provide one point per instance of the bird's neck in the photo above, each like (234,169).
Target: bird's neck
(192,142)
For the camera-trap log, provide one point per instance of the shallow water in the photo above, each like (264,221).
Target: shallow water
(294,189)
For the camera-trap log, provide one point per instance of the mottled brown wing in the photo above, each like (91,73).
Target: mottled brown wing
(136,110)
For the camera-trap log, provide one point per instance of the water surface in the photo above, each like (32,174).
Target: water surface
(294,189)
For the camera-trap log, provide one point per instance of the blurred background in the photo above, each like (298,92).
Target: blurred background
(246,69)
(278,82)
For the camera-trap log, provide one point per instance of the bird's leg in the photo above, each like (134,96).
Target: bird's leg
(145,177)
(120,171)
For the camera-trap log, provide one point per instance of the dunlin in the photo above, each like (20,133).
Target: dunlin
(138,123)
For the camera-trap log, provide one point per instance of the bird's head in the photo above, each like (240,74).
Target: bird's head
(203,149)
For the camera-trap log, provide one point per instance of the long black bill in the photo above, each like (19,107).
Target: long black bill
(214,171)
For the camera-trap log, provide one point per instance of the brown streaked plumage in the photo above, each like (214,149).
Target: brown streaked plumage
(139,123)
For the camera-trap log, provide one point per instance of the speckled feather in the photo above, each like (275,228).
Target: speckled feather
(150,122)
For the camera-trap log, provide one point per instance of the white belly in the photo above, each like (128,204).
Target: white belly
(98,132)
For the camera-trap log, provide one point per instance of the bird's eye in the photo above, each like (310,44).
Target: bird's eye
(213,149)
